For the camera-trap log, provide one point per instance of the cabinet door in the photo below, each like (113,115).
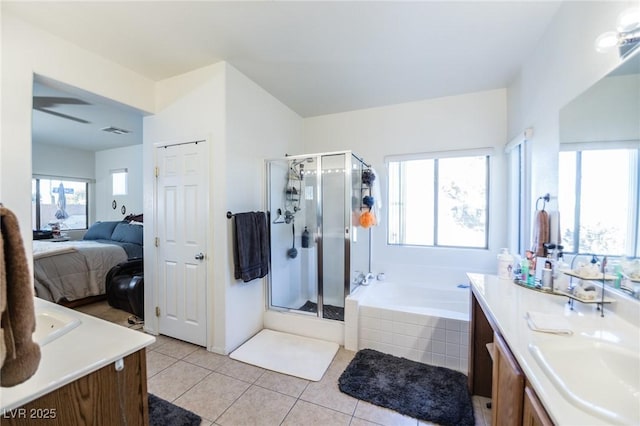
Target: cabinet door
(534,412)
(105,397)
(507,386)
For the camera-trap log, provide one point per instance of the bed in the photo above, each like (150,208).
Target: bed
(69,271)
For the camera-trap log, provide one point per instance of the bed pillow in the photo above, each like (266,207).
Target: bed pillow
(127,233)
(100,231)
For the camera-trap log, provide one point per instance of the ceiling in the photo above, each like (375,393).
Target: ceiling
(316,57)
(64,121)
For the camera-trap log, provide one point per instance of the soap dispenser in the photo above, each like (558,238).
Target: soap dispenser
(505,264)
(305,238)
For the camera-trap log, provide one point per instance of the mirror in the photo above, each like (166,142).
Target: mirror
(599,169)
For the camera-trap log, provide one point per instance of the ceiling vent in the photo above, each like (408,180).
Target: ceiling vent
(115,130)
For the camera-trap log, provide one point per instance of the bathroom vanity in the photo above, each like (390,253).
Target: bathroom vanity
(537,378)
(91,372)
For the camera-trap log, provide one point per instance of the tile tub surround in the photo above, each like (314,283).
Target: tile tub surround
(419,337)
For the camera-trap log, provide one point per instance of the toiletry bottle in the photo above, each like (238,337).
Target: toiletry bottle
(617,269)
(524,268)
(561,280)
(505,264)
(305,238)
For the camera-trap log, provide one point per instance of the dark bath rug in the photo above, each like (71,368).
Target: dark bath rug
(426,392)
(329,311)
(164,413)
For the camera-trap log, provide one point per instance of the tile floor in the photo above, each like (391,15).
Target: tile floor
(227,392)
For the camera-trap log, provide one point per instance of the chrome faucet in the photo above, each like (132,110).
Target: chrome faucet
(362,278)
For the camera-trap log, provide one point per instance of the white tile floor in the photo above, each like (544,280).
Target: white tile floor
(227,392)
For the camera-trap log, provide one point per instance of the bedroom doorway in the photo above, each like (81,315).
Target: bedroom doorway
(182,199)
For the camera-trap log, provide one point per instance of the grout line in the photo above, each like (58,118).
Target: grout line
(234,401)
(193,386)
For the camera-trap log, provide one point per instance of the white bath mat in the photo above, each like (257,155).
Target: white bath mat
(288,354)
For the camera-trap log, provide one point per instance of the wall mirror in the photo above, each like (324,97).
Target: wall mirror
(599,176)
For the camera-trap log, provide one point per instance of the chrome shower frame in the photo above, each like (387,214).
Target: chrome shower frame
(349,159)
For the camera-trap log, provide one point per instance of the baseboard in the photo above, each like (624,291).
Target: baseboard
(303,325)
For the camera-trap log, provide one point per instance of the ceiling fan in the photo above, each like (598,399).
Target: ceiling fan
(41,103)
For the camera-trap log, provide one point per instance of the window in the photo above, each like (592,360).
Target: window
(119,182)
(439,201)
(599,200)
(519,190)
(58,201)
(516,190)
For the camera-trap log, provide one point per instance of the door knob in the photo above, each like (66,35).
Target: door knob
(200,256)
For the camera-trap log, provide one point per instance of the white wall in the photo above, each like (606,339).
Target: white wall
(451,123)
(25,51)
(258,127)
(563,65)
(129,158)
(190,107)
(60,161)
(244,125)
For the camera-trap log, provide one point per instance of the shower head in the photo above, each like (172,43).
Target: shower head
(295,163)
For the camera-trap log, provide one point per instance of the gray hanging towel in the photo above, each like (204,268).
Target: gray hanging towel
(250,246)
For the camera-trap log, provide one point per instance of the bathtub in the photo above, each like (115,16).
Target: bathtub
(423,322)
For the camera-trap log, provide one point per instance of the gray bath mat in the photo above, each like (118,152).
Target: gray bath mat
(425,392)
(164,413)
(328,312)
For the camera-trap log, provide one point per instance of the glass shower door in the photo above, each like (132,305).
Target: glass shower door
(335,238)
(292,203)
(310,206)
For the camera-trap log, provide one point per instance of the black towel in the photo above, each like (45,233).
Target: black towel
(251,246)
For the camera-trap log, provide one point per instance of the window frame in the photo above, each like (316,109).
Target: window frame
(487,153)
(124,173)
(632,248)
(38,214)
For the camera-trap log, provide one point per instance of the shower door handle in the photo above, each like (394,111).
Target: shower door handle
(199,256)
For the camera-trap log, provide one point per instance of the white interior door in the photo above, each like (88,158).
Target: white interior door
(182,201)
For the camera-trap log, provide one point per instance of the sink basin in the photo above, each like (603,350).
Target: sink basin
(599,377)
(51,324)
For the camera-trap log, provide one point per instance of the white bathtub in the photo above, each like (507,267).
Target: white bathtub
(423,322)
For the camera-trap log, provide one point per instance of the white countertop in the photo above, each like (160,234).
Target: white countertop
(83,350)
(508,304)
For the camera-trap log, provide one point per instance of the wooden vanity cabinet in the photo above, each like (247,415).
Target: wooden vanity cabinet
(507,386)
(494,371)
(480,335)
(105,397)
(534,413)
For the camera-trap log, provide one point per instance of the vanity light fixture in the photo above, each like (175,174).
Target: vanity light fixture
(628,20)
(627,34)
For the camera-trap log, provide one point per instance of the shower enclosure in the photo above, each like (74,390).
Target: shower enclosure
(317,245)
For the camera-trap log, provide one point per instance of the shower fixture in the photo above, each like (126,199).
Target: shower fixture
(303,160)
(298,174)
(312,271)
(293,188)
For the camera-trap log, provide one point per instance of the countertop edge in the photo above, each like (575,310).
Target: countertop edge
(62,362)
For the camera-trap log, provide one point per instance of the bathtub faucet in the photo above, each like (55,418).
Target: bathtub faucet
(363,279)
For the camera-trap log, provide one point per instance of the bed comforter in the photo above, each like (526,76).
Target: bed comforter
(73,270)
